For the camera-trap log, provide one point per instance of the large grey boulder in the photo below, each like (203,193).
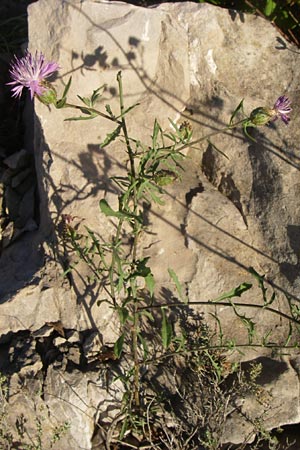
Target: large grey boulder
(181,61)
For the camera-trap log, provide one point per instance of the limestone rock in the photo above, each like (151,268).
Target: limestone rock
(182,61)
(265,402)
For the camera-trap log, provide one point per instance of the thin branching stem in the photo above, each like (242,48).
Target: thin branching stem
(212,303)
(211,348)
(209,135)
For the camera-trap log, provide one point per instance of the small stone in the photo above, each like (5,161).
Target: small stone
(73,336)
(74,355)
(59,341)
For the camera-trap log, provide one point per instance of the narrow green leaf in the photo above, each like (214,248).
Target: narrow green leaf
(270,7)
(144,345)
(236,292)
(109,111)
(150,283)
(156,130)
(67,87)
(120,283)
(261,285)
(91,116)
(289,336)
(96,94)
(123,314)
(166,330)
(265,339)
(127,110)
(240,107)
(61,103)
(108,211)
(247,321)
(217,149)
(247,124)
(171,136)
(220,333)
(118,347)
(85,100)
(124,428)
(111,136)
(174,125)
(148,314)
(154,197)
(174,277)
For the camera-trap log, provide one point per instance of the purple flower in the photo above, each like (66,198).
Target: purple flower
(30,72)
(282,108)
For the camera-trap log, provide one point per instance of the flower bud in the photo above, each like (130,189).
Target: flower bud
(48,95)
(165,177)
(186,131)
(261,116)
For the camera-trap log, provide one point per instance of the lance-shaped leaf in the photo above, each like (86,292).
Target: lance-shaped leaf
(236,292)
(109,111)
(247,321)
(261,285)
(110,137)
(240,107)
(150,283)
(144,345)
(108,211)
(123,314)
(88,114)
(179,289)
(61,102)
(166,330)
(217,149)
(127,110)
(118,347)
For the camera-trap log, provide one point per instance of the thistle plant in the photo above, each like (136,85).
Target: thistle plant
(118,266)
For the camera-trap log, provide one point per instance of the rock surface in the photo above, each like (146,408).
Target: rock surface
(184,62)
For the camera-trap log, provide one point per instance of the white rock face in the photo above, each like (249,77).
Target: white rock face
(181,61)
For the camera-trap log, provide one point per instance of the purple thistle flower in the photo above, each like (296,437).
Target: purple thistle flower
(30,72)
(282,108)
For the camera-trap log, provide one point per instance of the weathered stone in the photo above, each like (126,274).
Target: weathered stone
(59,341)
(185,62)
(265,402)
(73,337)
(92,346)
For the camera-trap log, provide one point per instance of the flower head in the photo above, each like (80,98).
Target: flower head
(30,72)
(262,115)
(282,109)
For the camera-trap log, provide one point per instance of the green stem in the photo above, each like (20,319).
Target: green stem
(212,303)
(136,228)
(113,260)
(124,127)
(209,135)
(217,347)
